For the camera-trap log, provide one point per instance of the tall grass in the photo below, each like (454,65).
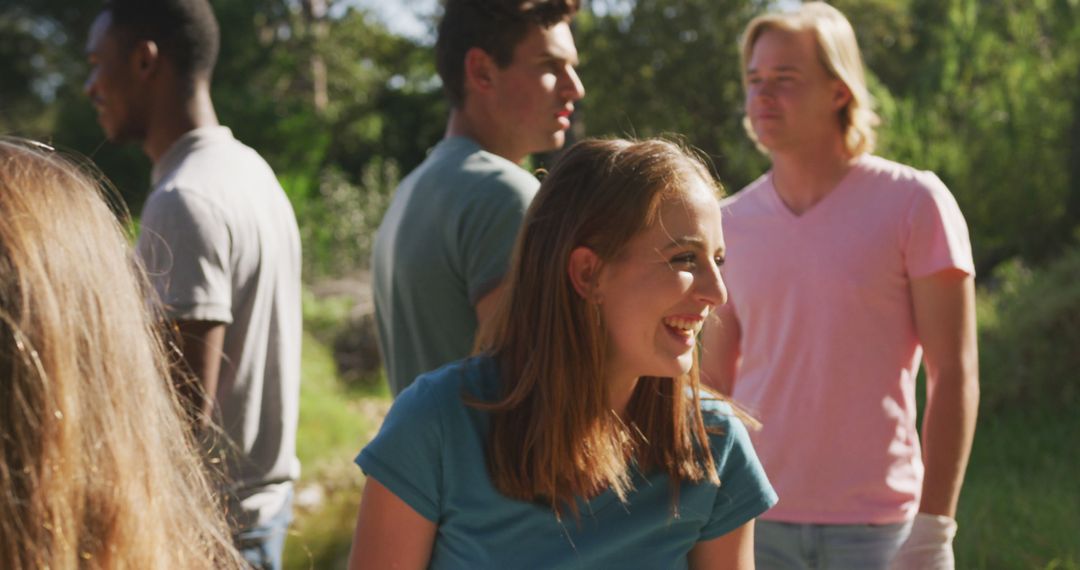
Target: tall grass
(1020,507)
(335,422)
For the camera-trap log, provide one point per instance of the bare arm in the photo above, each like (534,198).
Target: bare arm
(732,551)
(202,345)
(389,533)
(720,350)
(944,305)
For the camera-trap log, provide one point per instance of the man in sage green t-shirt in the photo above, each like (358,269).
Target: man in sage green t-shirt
(445,242)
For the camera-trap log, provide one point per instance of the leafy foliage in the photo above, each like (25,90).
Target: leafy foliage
(661,67)
(986,94)
(986,101)
(339,221)
(338,161)
(1029,328)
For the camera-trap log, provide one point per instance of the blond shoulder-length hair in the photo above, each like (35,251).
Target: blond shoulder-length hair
(553,435)
(838,52)
(96,468)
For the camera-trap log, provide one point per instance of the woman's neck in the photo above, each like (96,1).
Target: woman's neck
(619,394)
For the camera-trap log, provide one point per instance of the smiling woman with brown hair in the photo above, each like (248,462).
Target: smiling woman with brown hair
(579,436)
(96,470)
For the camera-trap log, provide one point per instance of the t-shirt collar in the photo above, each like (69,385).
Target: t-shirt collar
(183,145)
(457,143)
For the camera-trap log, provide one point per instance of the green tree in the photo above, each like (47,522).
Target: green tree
(986,95)
(654,67)
(334,101)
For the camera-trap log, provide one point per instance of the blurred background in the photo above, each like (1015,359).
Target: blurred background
(342,99)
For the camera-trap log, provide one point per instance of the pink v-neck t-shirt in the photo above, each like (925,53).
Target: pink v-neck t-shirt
(828,341)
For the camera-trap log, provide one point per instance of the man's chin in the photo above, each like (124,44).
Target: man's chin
(112,134)
(118,136)
(555,142)
(559,140)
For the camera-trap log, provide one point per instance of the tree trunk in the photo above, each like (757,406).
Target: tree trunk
(315,14)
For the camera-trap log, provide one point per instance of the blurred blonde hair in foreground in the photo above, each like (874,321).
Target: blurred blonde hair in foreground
(96,466)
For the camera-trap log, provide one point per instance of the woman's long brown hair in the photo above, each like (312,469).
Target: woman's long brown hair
(554,437)
(96,468)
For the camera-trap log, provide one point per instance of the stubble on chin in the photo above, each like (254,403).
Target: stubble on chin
(125,134)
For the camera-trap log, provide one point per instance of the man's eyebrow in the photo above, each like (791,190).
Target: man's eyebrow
(550,56)
(785,67)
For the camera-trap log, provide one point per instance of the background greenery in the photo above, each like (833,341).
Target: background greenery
(984,92)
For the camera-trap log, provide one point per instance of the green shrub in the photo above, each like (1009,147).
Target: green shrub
(356,352)
(337,322)
(1029,331)
(324,317)
(338,218)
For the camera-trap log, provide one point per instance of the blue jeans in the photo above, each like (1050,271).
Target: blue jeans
(261,546)
(790,546)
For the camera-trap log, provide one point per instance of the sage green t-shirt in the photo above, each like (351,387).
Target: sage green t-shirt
(444,243)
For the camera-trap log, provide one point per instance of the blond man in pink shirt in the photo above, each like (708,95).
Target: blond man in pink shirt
(845,270)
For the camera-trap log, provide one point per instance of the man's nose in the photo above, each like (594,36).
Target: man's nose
(573,88)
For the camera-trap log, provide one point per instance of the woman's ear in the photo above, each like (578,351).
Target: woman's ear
(584,271)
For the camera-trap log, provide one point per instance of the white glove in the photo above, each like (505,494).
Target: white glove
(929,546)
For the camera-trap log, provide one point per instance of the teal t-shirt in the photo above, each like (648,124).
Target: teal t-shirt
(444,243)
(430,453)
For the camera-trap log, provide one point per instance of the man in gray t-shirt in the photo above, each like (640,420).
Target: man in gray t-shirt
(508,70)
(221,247)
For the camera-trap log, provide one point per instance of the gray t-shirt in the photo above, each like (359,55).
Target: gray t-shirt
(444,243)
(220,243)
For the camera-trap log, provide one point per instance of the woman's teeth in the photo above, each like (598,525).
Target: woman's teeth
(687,325)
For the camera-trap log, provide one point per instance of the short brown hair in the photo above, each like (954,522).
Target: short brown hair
(495,26)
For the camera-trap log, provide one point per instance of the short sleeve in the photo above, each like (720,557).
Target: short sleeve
(937,233)
(184,244)
(405,455)
(490,223)
(744,491)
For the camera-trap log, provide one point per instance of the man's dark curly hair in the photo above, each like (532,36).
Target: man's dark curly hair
(185,31)
(495,26)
